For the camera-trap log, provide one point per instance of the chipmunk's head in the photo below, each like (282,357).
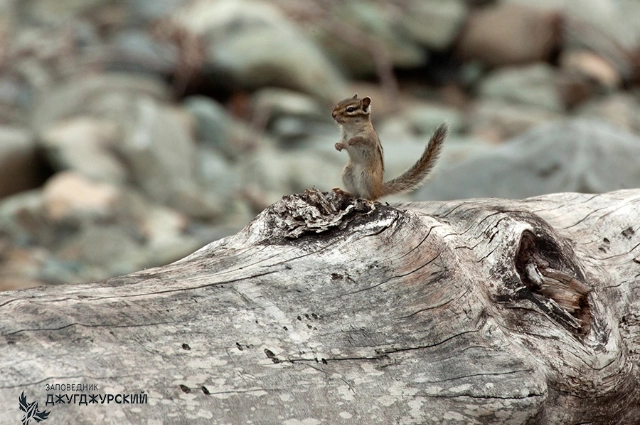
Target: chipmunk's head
(352,110)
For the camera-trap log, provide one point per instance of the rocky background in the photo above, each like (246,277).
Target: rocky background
(134,132)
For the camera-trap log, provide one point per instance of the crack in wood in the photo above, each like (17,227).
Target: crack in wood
(490,397)
(420,243)
(102,325)
(442,304)
(592,212)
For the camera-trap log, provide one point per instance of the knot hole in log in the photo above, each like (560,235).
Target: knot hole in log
(553,282)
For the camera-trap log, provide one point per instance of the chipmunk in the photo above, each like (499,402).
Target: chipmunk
(363,174)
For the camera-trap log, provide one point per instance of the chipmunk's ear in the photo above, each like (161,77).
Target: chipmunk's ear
(355,96)
(366,101)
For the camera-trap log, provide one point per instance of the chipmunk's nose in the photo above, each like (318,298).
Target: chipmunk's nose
(333,114)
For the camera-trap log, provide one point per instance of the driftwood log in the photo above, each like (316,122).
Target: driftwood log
(329,310)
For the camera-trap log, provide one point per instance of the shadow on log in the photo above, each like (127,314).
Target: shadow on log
(329,310)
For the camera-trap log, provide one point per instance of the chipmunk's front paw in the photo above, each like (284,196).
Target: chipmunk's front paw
(339,146)
(341,192)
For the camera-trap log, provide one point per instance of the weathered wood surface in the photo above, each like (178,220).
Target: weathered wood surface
(323,311)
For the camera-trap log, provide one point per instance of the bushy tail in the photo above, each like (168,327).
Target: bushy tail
(415,175)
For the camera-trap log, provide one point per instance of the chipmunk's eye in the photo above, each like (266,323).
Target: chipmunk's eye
(351,109)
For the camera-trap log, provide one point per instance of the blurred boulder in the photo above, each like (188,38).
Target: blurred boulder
(591,66)
(161,157)
(107,250)
(423,119)
(136,51)
(355,31)
(72,196)
(165,235)
(19,267)
(84,144)
(217,174)
(274,103)
(621,110)
(501,34)
(601,19)
(313,168)
(98,95)
(535,85)
(147,11)
(606,28)
(578,155)
(290,117)
(497,120)
(256,46)
(433,24)
(280,172)
(22,219)
(212,121)
(53,12)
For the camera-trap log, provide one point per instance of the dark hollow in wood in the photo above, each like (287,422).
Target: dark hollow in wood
(550,278)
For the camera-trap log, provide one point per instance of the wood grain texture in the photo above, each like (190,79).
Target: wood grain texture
(326,310)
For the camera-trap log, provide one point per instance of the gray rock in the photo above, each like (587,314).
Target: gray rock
(497,120)
(294,132)
(243,139)
(608,29)
(434,24)
(359,24)
(564,156)
(423,119)
(212,121)
(533,85)
(109,247)
(616,19)
(100,95)
(16,96)
(309,169)
(146,11)
(621,110)
(160,154)
(19,267)
(166,239)
(55,12)
(291,117)
(217,174)
(500,33)
(22,219)
(272,103)
(289,130)
(258,47)
(84,144)
(267,170)
(197,202)
(136,50)
(393,130)
(72,197)
(55,272)
(281,172)
(20,166)
(173,249)
(591,67)
(238,213)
